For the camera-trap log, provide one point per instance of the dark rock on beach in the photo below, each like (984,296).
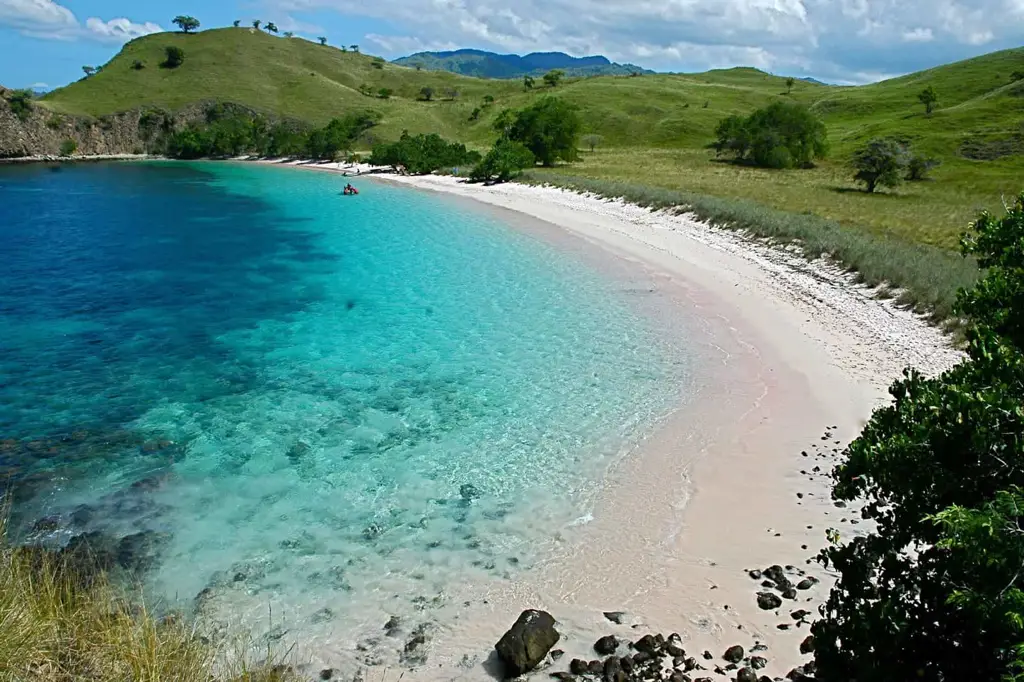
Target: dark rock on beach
(807,646)
(578,667)
(606,645)
(746,675)
(617,617)
(768,601)
(527,642)
(733,654)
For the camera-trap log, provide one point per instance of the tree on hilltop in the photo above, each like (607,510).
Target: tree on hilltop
(354,48)
(928,97)
(185,23)
(323,40)
(289,34)
(236,23)
(790,82)
(271,27)
(256,24)
(554,77)
(89,70)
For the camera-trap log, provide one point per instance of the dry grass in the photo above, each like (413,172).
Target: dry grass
(57,625)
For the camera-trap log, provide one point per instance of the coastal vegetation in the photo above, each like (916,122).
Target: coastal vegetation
(934,590)
(422,154)
(61,619)
(781,135)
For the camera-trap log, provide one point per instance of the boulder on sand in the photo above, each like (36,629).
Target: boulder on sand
(527,642)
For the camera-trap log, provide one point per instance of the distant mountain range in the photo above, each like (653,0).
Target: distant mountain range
(483,64)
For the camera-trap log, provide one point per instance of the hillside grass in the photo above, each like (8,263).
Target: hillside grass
(655,128)
(56,626)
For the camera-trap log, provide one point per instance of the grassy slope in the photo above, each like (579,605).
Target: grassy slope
(655,128)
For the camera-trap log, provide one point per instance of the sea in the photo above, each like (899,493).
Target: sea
(334,409)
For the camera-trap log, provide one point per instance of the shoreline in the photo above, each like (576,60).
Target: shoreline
(56,158)
(801,356)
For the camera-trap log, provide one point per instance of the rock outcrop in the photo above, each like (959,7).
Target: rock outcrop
(528,641)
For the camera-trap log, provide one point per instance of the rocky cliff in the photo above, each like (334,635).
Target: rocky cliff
(31,129)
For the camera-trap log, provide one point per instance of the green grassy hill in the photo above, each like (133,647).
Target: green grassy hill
(655,127)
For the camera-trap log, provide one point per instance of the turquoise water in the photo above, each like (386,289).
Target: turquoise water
(318,402)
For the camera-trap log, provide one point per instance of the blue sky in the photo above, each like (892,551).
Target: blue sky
(45,43)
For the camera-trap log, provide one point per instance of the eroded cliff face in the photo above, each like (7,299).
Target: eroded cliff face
(37,131)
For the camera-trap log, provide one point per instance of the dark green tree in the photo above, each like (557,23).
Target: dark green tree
(503,162)
(919,166)
(528,82)
(790,82)
(338,135)
(236,23)
(68,147)
(426,93)
(781,135)
(354,48)
(89,70)
(289,34)
(185,23)
(422,154)
(488,99)
(385,93)
(323,40)
(270,27)
(20,102)
(1017,76)
(880,163)
(553,77)
(928,97)
(138,65)
(550,128)
(934,591)
(256,23)
(174,57)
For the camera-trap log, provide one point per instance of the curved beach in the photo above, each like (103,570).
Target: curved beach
(796,356)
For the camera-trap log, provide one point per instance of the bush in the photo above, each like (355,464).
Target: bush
(506,160)
(21,103)
(553,77)
(880,163)
(934,591)
(385,93)
(68,147)
(422,154)
(54,122)
(426,93)
(550,129)
(919,166)
(138,65)
(174,57)
(782,135)
(338,135)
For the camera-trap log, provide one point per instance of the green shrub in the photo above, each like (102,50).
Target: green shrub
(919,166)
(422,154)
(880,163)
(21,103)
(935,590)
(174,57)
(68,147)
(138,65)
(781,135)
(338,135)
(506,160)
(549,128)
(54,122)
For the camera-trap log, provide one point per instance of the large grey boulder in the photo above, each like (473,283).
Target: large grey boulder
(527,642)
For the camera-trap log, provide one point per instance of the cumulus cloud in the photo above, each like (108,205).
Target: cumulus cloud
(839,39)
(48,19)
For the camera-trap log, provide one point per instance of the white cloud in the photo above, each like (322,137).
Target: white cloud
(48,19)
(120,30)
(839,39)
(918,35)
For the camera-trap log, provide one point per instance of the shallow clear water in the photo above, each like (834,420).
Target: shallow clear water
(322,401)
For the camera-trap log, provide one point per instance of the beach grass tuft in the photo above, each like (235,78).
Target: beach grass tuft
(922,277)
(56,626)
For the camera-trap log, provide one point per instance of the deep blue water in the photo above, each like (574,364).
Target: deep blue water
(310,397)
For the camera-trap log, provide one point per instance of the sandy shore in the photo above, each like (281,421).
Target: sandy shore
(796,356)
(55,158)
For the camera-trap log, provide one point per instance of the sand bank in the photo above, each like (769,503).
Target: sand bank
(796,356)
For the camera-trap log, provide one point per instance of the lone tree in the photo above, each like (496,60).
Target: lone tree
(256,23)
(271,27)
(528,82)
(550,128)
(354,48)
(426,93)
(919,166)
(790,82)
(553,77)
(506,160)
(880,163)
(174,57)
(451,94)
(89,70)
(323,40)
(236,23)
(928,97)
(185,23)
(782,135)
(934,591)
(385,93)
(592,141)
(289,34)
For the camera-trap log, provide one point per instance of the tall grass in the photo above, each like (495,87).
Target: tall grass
(57,625)
(927,278)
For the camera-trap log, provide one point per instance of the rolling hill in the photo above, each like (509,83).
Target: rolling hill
(483,64)
(654,128)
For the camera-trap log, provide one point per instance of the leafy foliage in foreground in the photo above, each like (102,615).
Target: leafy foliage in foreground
(422,154)
(935,591)
(781,135)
